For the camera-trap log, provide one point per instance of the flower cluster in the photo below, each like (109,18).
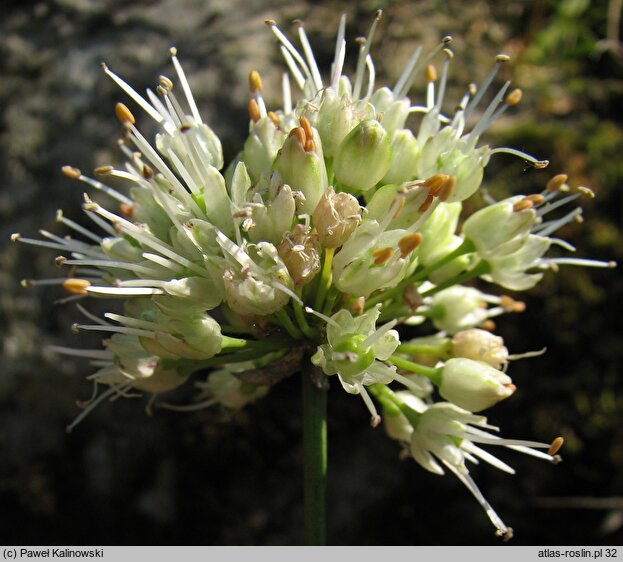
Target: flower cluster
(336,224)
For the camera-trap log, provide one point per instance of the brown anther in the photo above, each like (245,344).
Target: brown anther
(76,286)
(488,325)
(298,23)
(514,97)
(375,421)
(165,82)
(103,170)
(409,243)
(71,172)
(270,22)
(60,261)
(401,204)
(148,173)
(382,255)
(522,205)
(299,134)
(431,73)
(274,118)
(447,189)
(255,82)
(541,164)
(536,198)
(555,446)
(254,110)
(356,306)
(509,304)
(378,15)
(427,203)
(126,210)
(185,128)
(309,134)
(411,297)
(361,41)
(435,183)
(556,182)
(502,58)
(124,114)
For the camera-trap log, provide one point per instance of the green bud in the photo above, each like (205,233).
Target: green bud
(405,151)
(474,385)
(395,112)
(230,391)
(458,308)
(364,157)
(261,147)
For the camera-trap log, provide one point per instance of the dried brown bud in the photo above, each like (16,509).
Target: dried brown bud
(299,252)
(335,217)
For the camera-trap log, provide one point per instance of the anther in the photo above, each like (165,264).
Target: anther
(76,286)
(509,304)
(126,210)
(60,261)
(124,114)
(556,182)
(375,421)
(555,446)
(274,118)
(254,110)
(148,173)
(447,189)
(522,205)
(356,306)
(71,172)
(541,164)
(401,204)
(103,170)
(184,128)
(431,73)
(309,144)
(382,255)
(536,198)
(435,183)
(255,82)
(427,203)
(15,236)
(447,40)
(449,53)
(378,15)
(409,243)
(472,89)
(488,325)
(514,97)
(361,41)
(165,82)
(162,91)
(298,23)
(502,58)
(586,191)
(299,134)
(270,23)
(75,328)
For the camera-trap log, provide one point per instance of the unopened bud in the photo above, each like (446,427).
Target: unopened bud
(364,156)
(480,345)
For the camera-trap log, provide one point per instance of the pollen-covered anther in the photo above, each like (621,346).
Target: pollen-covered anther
(165,82)
(274,118)
(299,133)
(447,189)
(375,421)
(509,304)
(514,97)
(60,261)
(185,128)
(449,53)
(447,40)
(255,82)
(555,183)
(536,198)
(15,236)
(488,325)
(76,286)
(126,210)
(254,110)
(541,164)
(124,114)
(586,191)
(71,172)
(309,144)
(26,283)
(409,243)
(435,183)
(523,205)
(431,73)
(382,255)
(556,445)
(502,58)
(103,170)
(506,534)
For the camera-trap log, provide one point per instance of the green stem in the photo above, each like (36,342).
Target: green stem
(325,278)
(438,351)
(482,268)
(286,322)
(429,372)
(302,321)
(314,459)
(393,404)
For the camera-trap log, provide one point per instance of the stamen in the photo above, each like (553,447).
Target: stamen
(382,255)
(90,408)
(124,291)
(187,407)
(255,82)
(340,53)
(364,50)
(117,329)
(124,114)
(309,55)
(555,183)
(296,73)
(75,226)
(324,317)
(91,317)
(286,93)
(409,243)
(89,353)
(76,286)
(185,85)
(473,104)
(378,333)
(399,88)
(375,419)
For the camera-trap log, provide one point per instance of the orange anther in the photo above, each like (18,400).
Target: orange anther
(556,182)
(523,205)
(255,82)
(555,446)
(254,110)
(409,243)
(382,255)
(447,189)
(71,172)
(124,114)
(76,286)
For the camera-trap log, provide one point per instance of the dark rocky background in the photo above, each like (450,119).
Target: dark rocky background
(214,478)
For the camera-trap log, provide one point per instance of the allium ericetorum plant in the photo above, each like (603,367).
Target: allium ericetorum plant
(332,228)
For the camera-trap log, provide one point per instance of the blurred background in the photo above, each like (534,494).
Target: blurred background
(216,478)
